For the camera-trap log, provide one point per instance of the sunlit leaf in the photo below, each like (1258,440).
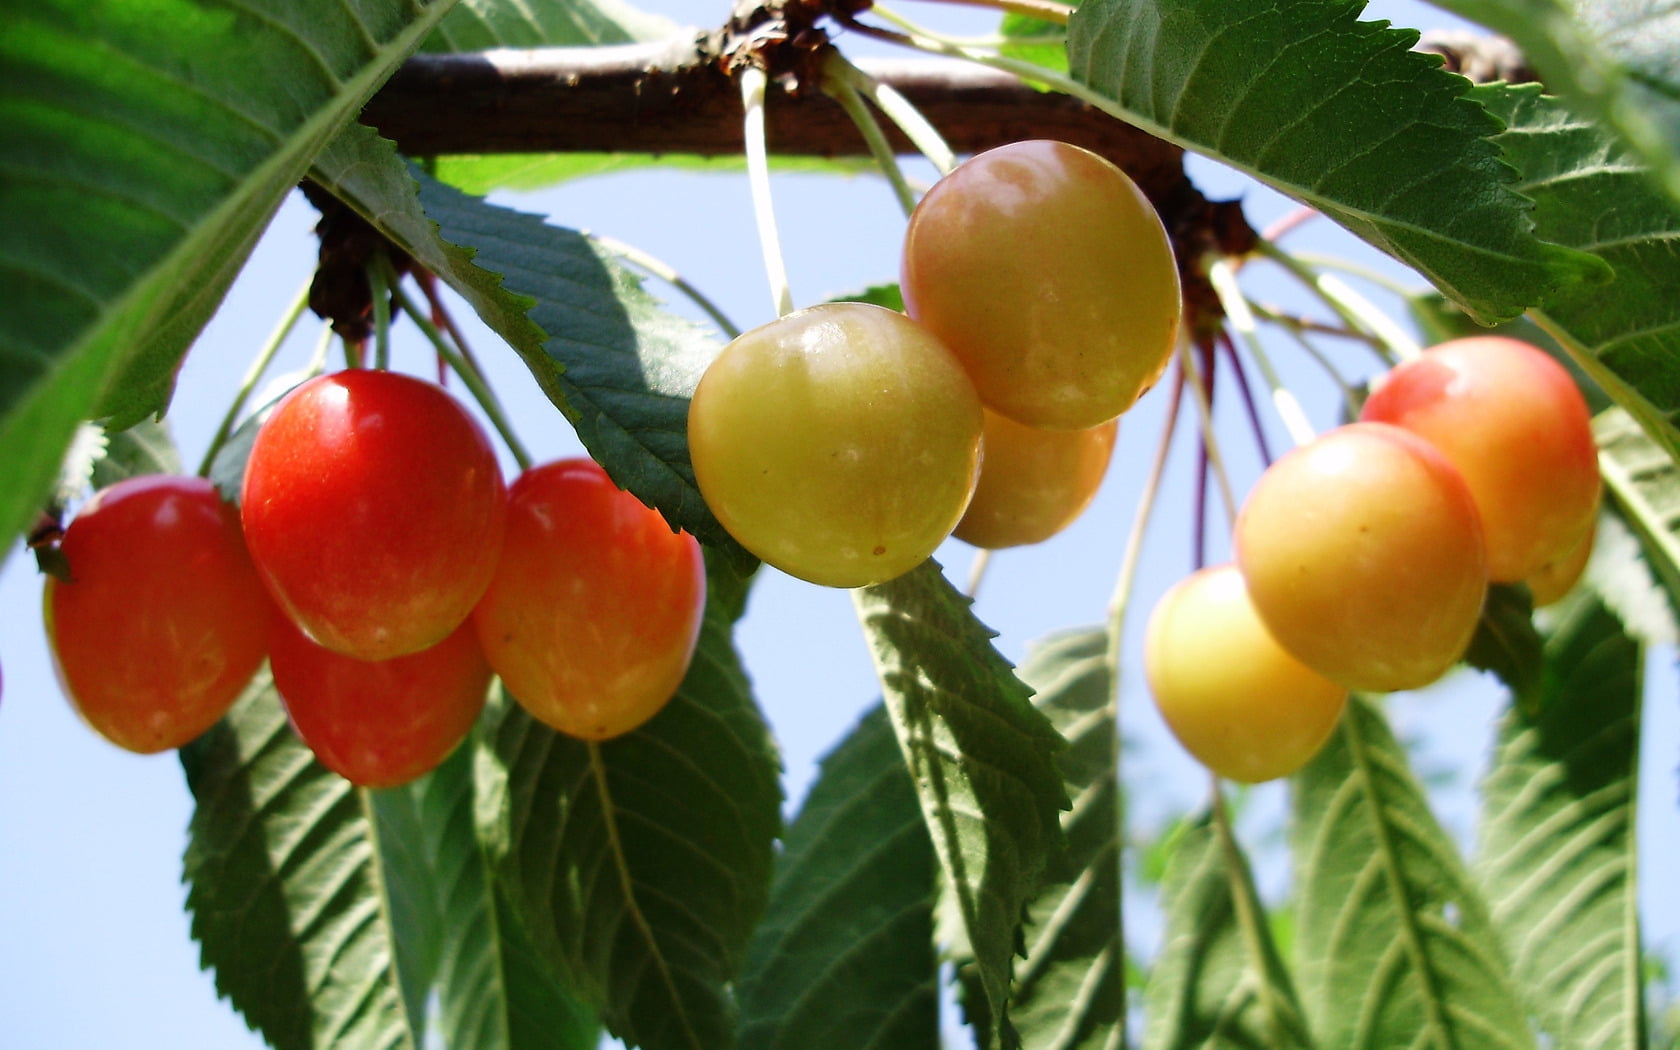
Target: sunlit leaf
(982,759)
(1339,114)
(845,957)
(146,145)
(1394,945)
(1556,843)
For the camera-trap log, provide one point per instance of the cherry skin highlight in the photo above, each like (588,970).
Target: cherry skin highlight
(1048,273)
(380,723)
(1236,699)
(595,608)
(374,509)
(163,621)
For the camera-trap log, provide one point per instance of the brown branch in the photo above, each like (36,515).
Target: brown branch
(675,98)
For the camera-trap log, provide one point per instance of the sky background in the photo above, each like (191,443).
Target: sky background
(94,942)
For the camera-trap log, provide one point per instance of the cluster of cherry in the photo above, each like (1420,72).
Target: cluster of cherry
(1363,558)
(843,443)
(384,569)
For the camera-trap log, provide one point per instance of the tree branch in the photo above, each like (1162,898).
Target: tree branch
(674,97)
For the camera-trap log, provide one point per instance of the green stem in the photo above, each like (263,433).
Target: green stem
(901,111)
(840,87)
(753,84)
(470,375)
(977,571)
(253,373)
(379,288)
(1043,10)
(1223,277)
(1355,311)
(667,273)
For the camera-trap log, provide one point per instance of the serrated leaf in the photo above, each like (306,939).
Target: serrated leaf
(284,887)
(1556,849)
(982,758)
(147,145)
(1612,59)
(1070,987)
(845,957)
(602,349)
(493,991)
(1339,114)
(640,866)
(1507,644)
(1591,193)
(1218,980)
(1643,483)
(1394,946)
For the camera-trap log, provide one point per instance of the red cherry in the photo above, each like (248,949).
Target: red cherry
(374,508)
(163,621)
(379,723)
(595,609)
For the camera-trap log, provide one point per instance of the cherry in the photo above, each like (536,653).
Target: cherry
(374,509)
(163,620)
(595,608)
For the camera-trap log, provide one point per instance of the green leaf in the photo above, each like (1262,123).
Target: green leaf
(1615,61)
(494,992)
(284,887)
(1643,483)
(147,144)
(479,25)
(640,866)
(1339,114)
(602,349)
(1394,945)
(1592,194)
(1507,644)
(844,959)
(982,758)
(1218,980)
(1070,989)
(1556,852)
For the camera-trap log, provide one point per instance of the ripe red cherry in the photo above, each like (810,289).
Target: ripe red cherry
(1364,557)
(163,621)
(1517,428)
(374,509)
(379,723)
(595,608)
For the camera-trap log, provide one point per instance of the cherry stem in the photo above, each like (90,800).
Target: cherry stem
(753,84)
(842,90)
(1278,316)
(977,571)
(1390,340)
(1043,10)
(898,109)
(1209,364)
(1288,223)
(1227,344)
(442,318)
(1131,553)
(378,266)
(253,373)
(667,273)
(1204,409)
(1350,397)
(1223,276)
(470,375)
